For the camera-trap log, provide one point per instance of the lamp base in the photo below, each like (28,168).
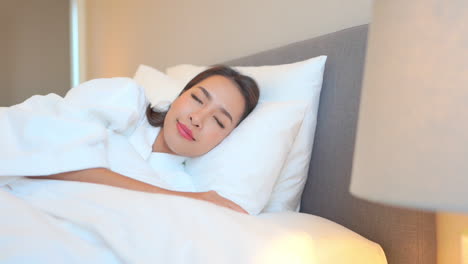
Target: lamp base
(464,247)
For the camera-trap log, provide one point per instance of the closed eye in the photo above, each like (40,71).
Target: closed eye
(219,122)
(197,99)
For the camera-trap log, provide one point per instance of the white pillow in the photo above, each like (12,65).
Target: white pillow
(294,83)
(160,89)
(255,168)
(245,166)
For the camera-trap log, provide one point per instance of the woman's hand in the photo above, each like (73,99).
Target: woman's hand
(108,177)
(214,197)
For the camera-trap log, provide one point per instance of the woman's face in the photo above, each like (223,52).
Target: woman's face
(201,117)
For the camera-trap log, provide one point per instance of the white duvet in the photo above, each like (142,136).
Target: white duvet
(98,125)
(47,221)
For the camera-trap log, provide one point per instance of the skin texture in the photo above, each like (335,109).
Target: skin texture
(203,115)
(204,109)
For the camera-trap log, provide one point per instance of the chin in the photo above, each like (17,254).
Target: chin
(180,146)
(186,153)
(183,148)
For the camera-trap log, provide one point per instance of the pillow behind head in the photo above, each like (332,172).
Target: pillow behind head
(293,81)
(159,88)
(263,163)
(297,83)
(245,166)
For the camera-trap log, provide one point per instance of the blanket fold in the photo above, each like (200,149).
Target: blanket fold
(49,134)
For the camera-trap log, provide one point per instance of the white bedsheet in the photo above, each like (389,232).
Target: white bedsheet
(46,221)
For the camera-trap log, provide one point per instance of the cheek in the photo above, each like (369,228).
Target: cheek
(177,110)
(215,135)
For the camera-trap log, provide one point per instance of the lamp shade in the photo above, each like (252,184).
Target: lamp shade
(412,135)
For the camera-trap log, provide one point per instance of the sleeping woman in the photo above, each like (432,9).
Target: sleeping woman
(209,107)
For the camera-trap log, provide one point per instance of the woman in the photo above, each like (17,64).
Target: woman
(209,107)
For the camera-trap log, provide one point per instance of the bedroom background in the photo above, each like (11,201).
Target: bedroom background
(115,36)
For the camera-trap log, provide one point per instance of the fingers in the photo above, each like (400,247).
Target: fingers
(237,208)
(215,198)
(241,210)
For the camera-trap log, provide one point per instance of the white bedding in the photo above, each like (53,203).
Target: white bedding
(46,221)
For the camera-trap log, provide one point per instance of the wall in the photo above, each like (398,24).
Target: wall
(123,34)
(34,49)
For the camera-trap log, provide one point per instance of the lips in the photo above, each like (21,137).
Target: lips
(184,131)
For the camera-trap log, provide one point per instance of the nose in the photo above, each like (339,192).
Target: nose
(197,117)
(195,122)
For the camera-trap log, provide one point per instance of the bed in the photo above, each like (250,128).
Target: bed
(57,222)
(407,236)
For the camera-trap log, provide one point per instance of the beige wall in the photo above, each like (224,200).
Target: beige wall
(123,34)
(34,49)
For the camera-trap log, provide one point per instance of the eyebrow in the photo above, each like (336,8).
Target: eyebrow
(208,95)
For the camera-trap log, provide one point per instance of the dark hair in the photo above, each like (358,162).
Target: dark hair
(247,86)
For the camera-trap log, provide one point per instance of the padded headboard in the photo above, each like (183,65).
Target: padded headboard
(407,236)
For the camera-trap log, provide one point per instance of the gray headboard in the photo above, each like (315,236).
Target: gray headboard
(407,236)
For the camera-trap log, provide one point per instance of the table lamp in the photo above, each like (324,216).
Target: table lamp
(412,135)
